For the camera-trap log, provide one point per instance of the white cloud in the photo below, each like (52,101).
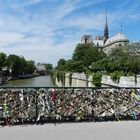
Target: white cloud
(33,34)
(9,38)
(91,21)
(43,51)
(24,4)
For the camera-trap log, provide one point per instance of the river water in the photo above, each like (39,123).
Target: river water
(40,81)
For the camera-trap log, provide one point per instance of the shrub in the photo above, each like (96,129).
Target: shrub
(130,73)
(115,76)
(70,79)
(96,79)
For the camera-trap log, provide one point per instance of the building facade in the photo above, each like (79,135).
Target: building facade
(105,42)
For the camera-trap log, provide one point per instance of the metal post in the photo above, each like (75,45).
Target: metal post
(36,96)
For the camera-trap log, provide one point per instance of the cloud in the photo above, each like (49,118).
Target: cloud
(134,16)
(9,38)
(47,30)
(67,7)
(91,21)
(43,52)
(24,3)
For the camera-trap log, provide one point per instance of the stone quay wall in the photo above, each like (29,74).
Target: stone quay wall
(79,80)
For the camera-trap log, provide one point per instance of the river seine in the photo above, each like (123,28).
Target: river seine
(41,81)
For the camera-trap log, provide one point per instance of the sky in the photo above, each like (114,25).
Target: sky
(47,30)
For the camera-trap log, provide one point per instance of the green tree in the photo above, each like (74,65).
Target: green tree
(2,60)
(101,65)
(30,67)
(49,67)
(119,51)
(74,66)
(61,65)
(80,52)
(119,59)
(88,54)
(19,65)
(14,63)
(23,64)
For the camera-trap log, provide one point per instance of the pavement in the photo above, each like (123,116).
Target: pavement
(122,130)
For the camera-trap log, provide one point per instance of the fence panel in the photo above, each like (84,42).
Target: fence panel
(43,105)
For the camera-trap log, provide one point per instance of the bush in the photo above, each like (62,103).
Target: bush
(62,78)
(58,76)
(96,79)
(115,76)
(70,79)
(130,73)
(53,77)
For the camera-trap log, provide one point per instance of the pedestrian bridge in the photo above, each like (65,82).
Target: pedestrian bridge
(35,105)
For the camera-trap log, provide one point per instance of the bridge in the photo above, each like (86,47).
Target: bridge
(35,105)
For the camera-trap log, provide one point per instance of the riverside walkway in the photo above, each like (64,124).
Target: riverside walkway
(51,105)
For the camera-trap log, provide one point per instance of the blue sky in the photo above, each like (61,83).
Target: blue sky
(47,30)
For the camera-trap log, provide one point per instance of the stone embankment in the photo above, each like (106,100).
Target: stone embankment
(79,80)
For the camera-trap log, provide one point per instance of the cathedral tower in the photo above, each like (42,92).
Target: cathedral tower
(106,31)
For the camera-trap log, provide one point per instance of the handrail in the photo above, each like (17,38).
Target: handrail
(38,87)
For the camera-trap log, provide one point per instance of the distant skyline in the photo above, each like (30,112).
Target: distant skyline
(47,30)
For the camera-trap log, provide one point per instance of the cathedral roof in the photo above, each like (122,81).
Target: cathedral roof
(119,37)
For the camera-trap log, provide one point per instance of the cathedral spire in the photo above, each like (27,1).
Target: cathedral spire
(106,32)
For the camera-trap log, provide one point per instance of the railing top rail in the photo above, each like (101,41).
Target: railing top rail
(30,87)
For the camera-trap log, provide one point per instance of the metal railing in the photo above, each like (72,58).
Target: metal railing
(29,105)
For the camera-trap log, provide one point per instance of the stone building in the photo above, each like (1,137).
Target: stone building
(41,69)
(105,42)
(87,39)
(117,40)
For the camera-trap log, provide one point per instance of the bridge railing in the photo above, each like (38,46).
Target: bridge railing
(21,105)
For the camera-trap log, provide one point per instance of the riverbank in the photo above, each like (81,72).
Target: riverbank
(80,80)
(25,76)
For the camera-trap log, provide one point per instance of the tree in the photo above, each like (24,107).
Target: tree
(88,54)
(74,66)
(30,67)
(119,59)
(61,65)
(119,51)
(48,67)
(101,65)
(2,60)
(80,51)
(23,64)
(19,65)
(14,63)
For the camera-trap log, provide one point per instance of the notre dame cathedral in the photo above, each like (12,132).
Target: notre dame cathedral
(103,41)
